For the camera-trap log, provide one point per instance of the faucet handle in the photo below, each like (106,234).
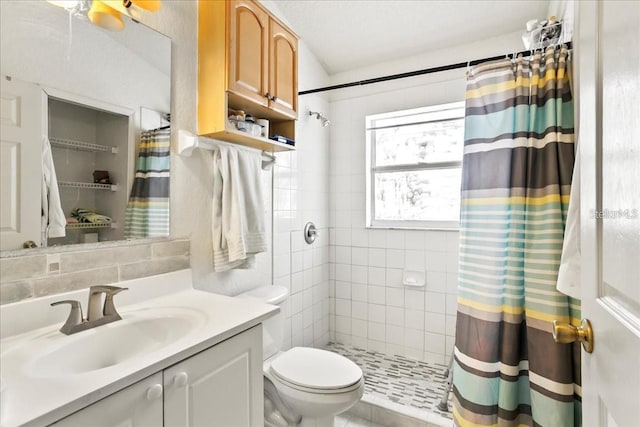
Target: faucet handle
(96,310)
(75,315)
(109,308)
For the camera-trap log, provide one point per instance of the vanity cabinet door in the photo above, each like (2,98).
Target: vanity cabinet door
(283,70)
(139,405)
(221,386)
(248,51)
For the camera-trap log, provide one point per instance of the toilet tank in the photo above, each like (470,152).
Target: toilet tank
(272,328)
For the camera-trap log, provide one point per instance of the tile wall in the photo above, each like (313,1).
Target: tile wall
(301,194)
(369,306)
(70,268)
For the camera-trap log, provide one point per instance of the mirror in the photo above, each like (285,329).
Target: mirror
(94,94)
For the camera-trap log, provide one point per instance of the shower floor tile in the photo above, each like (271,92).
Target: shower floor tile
(413,387)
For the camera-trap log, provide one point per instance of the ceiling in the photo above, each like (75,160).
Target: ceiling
(350,34)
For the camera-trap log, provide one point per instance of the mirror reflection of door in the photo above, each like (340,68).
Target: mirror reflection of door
(20,167)
(97,84)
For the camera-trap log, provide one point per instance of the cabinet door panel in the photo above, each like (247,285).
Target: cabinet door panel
(248,55)
(139,405)
(283,70)
(221,386)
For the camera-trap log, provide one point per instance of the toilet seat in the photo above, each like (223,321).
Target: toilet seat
(316,371)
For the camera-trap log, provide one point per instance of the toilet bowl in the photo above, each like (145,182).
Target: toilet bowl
(303,386)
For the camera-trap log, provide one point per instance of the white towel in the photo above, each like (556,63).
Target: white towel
(569,272)
(238,228)
(53,221)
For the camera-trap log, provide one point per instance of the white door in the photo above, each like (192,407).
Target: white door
(220,387)
(21,131)
(609,138)
(139,405)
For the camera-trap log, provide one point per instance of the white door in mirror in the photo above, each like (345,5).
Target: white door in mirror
(20,163)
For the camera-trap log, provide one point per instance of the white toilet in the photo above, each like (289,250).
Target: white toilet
(302,386)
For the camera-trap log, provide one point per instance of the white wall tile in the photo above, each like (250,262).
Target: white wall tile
(395,239)
(359,310)
(359,328)
(343,272)
(377,238)
(452,283)
(377,332)
(377,313)
(377,276)
(436,261)
(437,240)
(343,254)
(359,274)
(377,294)
(414,338)
(343,325)
(377,257)
(394,335)
(343,308)
(450,328)
(433,322)
(359,237)
(414,299)
(435,302)
(434,343)
(359,292)
(394,277)
(452,304)
(395,297)
(343,289)
(343,237)
(414,260)
(414,319)
(414,240)
(360,256)
(395,316)
(436,281)
(395,258)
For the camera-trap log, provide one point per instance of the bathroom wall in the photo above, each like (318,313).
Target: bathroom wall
(369,306)
(69,268)
(301,195)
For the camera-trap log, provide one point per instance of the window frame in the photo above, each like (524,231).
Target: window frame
(371,170)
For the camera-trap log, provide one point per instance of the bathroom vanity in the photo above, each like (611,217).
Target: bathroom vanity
(178,357)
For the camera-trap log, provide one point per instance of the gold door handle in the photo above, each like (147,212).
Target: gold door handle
(564,333)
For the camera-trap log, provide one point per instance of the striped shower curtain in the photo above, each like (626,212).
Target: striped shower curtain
(148,209)
(517,168)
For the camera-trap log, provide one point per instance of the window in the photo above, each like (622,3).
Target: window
(414,164)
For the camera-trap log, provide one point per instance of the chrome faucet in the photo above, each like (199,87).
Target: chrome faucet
(96,315)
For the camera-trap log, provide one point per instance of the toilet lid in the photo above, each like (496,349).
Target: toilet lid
(314,368)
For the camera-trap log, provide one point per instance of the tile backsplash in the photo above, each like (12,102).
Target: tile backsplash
(54,272)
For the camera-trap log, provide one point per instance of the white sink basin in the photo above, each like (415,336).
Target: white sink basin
(139,333)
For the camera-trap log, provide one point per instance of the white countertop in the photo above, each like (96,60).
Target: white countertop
(43,398)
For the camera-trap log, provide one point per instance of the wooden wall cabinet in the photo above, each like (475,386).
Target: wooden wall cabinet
(247,60)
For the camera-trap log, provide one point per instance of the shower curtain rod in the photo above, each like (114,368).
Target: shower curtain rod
(421,72)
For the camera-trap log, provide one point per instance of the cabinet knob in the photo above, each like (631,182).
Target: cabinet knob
(274,98)
(154,392)
(267,95)
(180,379)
